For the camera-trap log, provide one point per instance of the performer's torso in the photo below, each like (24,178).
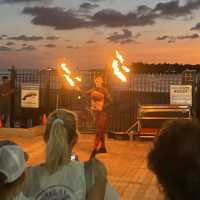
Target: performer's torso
(97,99)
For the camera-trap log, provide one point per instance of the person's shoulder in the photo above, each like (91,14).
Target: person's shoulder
(32,181)
(75,165)
(33,169)
(33,174)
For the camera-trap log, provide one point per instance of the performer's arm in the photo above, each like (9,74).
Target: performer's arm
(86,92)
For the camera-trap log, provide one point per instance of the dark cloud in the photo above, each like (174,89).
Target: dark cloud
(193,36)
(52,38)
(125,37)
(3,48)
(113,18)
(50,45)
(10,43)
(164,37)
(24,1)
(173,39)
(174,9)
(26,38)
(138,35)
(94,1)
(143,15)
(90,42)
(72,47)
(55,17)
(196,27)
(88,6)
(27,48)
(3,36)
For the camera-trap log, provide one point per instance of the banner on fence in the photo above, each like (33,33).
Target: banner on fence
(30,95)
(181,94)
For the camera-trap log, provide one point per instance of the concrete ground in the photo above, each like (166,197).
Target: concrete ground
(126,161)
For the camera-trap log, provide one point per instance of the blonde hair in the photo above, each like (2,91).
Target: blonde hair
(59,133)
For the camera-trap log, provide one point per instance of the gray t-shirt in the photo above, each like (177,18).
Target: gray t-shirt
(68,183)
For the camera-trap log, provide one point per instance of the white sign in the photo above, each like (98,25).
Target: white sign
(30,96)
(181,94)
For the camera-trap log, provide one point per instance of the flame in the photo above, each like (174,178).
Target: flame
(78,79)
(70,81)
(121,76)
(70,78)
(64,67)
(120,57)
(119,68)
(126,69)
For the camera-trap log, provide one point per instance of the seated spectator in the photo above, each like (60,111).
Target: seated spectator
(12,170)
(60,177)
(175,159)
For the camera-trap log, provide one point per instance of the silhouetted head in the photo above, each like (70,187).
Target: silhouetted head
(175,159)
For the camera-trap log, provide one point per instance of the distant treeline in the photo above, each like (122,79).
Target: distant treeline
(162,68)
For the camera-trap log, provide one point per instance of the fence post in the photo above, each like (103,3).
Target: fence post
(12,101)
(47,109)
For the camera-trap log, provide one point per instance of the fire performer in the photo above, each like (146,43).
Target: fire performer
(100,99)
(6,91)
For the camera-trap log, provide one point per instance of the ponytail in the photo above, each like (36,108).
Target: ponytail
(57,149)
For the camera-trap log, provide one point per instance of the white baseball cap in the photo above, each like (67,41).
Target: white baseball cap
(12,160)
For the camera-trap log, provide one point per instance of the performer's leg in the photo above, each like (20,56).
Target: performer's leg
(97,140)
(102,127)
(102,148)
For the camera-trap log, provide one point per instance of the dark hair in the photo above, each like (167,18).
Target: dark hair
(175,159)
(9,191)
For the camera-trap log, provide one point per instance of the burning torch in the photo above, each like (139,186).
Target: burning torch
(119,69)
(71,78)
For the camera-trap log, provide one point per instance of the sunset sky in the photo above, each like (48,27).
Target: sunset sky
(86,33)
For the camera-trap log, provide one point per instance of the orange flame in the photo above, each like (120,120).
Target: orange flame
(120,57)
(64,67)
(119,68)
(78,79)
(70,78)
(126,69)
(70,81)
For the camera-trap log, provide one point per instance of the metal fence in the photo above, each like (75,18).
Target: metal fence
(54,92)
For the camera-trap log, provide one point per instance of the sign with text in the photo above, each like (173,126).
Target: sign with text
(30,95)
(181,94)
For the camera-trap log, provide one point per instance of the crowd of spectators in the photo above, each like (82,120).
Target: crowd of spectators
(174,159)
